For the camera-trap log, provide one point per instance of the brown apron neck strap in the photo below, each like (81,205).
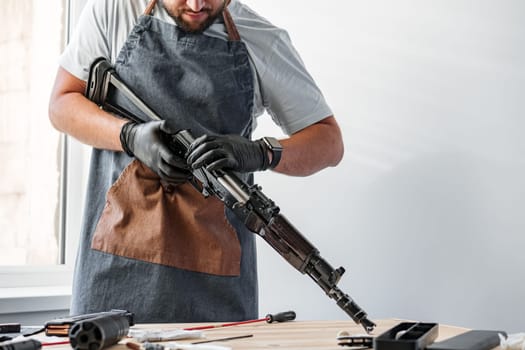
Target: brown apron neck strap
(149,9)
(231,29)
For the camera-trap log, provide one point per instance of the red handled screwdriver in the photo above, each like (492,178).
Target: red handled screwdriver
(270,318)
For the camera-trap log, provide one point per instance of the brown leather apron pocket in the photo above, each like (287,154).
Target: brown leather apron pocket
(178,228)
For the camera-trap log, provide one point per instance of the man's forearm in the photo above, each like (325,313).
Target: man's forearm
(312,149)
(73,114)
(76,116)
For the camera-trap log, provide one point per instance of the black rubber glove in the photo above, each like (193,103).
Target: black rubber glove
(232,152)
(149,143)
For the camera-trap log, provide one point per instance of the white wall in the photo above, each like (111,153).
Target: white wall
(426,209)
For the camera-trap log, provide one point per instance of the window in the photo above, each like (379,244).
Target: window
(30,42)
(35,261)
(39,165)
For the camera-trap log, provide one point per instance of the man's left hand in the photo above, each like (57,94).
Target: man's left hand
(232,152)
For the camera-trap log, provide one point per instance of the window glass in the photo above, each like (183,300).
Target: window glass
(31,40)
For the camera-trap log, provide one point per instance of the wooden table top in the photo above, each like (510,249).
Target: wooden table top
(294,335)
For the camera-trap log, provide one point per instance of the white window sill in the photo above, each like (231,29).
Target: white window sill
(34,299)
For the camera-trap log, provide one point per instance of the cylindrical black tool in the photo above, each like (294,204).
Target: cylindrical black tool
(98,333)
(281,317)
(29,344)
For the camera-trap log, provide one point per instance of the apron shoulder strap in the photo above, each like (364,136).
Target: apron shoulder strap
(231,29)
(149,9)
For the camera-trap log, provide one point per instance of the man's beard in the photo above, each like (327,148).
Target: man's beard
(187,27)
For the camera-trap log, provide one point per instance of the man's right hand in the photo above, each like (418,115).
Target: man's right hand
(149,143)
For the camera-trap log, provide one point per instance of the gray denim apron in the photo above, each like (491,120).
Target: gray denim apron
(200,83)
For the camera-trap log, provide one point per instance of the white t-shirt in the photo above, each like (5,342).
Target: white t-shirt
(282,85)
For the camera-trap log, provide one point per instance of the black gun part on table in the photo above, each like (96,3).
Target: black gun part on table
(94,331)
(99,332)
(258,212)
(29,344)
(61,327)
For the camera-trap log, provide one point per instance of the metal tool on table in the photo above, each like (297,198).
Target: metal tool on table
(10,327)
(407,336)
(360,341)
(422,336)
(98,332)
(270,318)
(258,212)
(60,326)
(92,331)
(29,344)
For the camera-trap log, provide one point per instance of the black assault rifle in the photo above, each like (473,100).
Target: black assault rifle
(258,212)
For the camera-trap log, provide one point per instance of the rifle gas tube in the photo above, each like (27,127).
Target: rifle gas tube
(258,212)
